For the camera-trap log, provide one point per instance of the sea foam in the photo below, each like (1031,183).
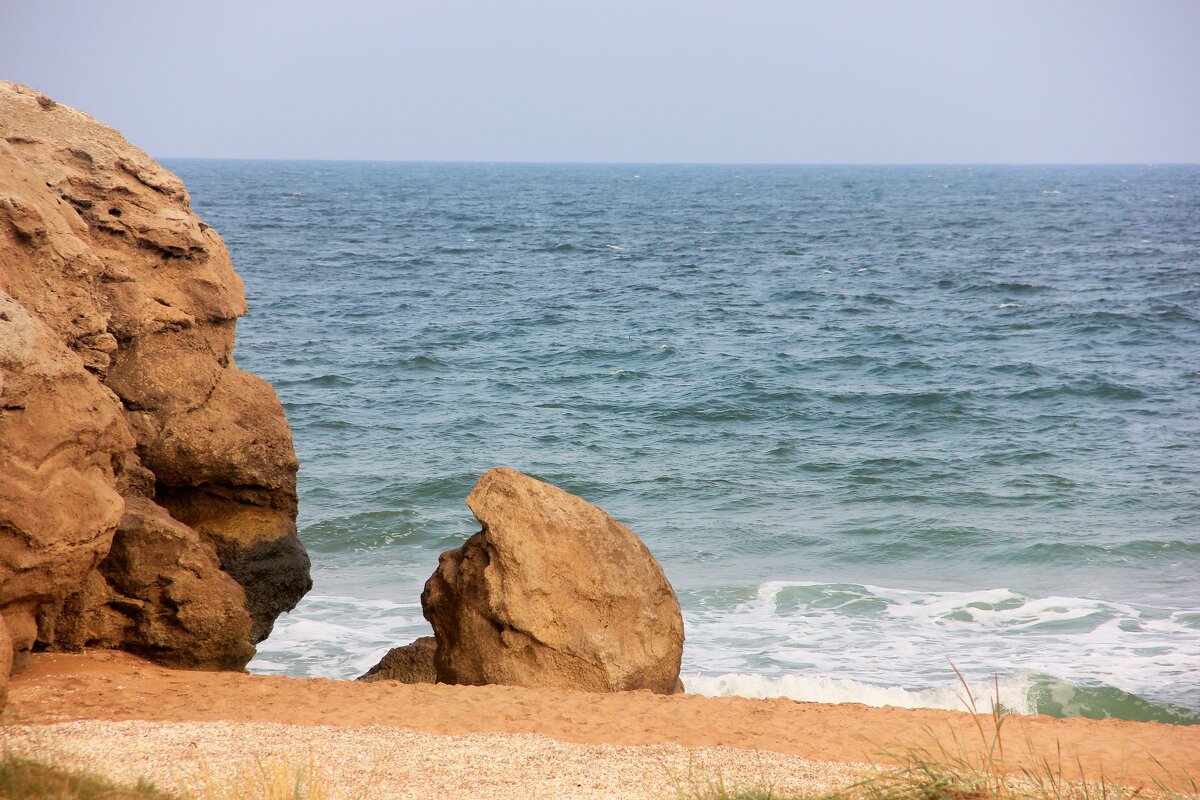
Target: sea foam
(1015,692)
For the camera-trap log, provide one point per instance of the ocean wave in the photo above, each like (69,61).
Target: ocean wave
(900,367)
(1082,387)
(367,530)
(881,636)
(1141,548)
(708,412)
(794,295)
(337,637)
(330,381)
(1017,287)
(1023,369)
(457,249)
(914,399)
(1018,693)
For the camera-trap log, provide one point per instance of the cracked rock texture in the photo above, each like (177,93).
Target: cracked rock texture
(553,592)
(161,593)
(147,485)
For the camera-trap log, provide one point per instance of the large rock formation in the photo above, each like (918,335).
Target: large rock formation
(552,592)
(123,414)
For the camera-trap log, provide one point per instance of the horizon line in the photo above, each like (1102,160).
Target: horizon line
(501,162)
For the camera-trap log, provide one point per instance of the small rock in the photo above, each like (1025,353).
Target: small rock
(412,663)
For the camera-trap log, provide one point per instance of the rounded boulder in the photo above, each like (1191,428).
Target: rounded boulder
(552,592)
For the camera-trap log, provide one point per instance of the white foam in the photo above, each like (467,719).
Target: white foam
(794,632)
(826,642)
(331,636)
(1014,691)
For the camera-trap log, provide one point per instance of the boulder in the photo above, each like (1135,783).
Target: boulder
(118,308)
(412,663)
(551,592)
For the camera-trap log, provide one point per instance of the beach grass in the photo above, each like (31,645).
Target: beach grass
(930,780)
(276,779)
(30,779)
(958,772)
(922,778)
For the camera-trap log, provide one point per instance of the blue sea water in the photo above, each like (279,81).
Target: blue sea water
(871,420)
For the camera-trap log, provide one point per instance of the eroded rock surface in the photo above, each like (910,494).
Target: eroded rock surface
(412,663)
(60,430)
(160,592)
(118,309)
(552,592)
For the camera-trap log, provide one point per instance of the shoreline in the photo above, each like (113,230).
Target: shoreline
(110,686)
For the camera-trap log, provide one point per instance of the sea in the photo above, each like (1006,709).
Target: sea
(883,427)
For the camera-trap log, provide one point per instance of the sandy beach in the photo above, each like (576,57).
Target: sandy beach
(126,717)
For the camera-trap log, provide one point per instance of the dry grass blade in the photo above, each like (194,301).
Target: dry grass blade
(276,779)
(968,700)
(27,779)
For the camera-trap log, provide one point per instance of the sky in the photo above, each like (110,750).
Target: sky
(751,81)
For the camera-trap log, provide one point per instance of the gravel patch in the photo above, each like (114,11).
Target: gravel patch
(387,763)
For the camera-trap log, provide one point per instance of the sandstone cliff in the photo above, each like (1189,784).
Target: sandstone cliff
(147,485)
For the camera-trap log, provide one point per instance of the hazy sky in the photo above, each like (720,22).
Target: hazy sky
(748,81)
